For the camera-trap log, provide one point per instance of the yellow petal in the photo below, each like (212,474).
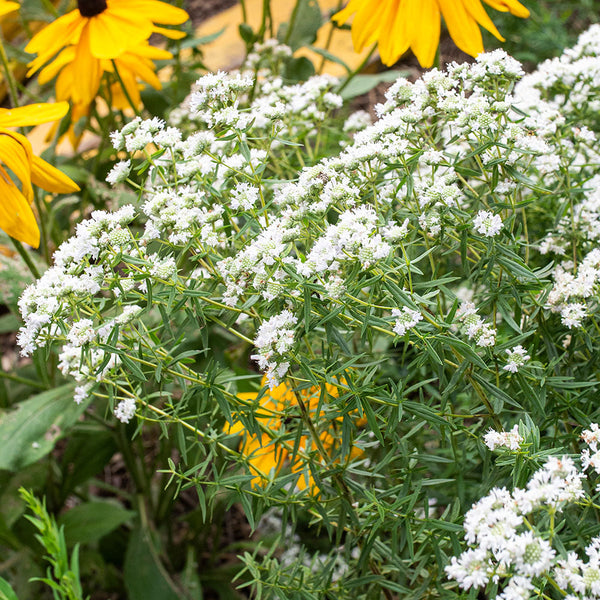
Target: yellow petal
(51,71)
(111,34)
(8,7)
(16,154)
(392,42)
(49,178)
(87,71)
(65,84)
(120,100)
(159,12)
(476,10)
(512,6)
(426,37)
(138,67)
(151,52)
(16,216)
(33,114)
(62,32)
(368,23)
(173,34)
(463,29)
(343,15)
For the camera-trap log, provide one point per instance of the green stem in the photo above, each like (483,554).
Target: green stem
(12,87)
(358,69)
(291,23)
(39,204)
(17,379)
(124,88)
(25,256)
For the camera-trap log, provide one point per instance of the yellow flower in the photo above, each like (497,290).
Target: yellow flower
(7,7)
(272,449)
(100,30)
(17,157)
(398,25)
(133,65)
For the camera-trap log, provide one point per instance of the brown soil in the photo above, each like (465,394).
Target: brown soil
(200,10)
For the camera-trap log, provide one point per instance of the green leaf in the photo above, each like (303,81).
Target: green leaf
(6,592)
(298,69)
(331,57)
(31,430)
(145,576)
(90,521)
(361,84)
(247,33)
(307,19)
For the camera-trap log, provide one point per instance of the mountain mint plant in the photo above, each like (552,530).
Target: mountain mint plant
(373,307)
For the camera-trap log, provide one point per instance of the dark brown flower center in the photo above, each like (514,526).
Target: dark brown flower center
(91,8)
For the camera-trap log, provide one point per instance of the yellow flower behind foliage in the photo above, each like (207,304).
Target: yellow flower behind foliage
(279,414)
(17,158)
(397,25)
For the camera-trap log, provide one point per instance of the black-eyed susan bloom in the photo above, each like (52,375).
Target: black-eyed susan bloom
(133,65)
(397,25)
(19,163)
(100,30)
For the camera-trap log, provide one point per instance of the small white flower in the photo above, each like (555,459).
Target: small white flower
(504,439)
(405,319)
(573,314)
(125,410)
(487,223)
(119,172)
(517,357)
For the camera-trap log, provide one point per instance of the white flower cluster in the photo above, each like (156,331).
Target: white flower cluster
(590,456)
(517,357)
(354,237)
(573,287)
(77,277)
(474,326)
(274,339)
(504,546)
(405,319)
(504,439)
(487,223)
(569,84)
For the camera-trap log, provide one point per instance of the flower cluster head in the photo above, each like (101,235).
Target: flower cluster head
(504,546)
(517,357)
(487,223)
(405,319)
(504,439)
(474,326)
(274,339)
(511,539)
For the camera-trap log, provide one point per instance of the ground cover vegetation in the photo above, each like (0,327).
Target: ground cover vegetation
(261,345)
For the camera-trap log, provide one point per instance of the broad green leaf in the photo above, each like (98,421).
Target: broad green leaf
(30,431)
(145,576)
(92,520)
(6,592)
(307,19)
(361,84)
